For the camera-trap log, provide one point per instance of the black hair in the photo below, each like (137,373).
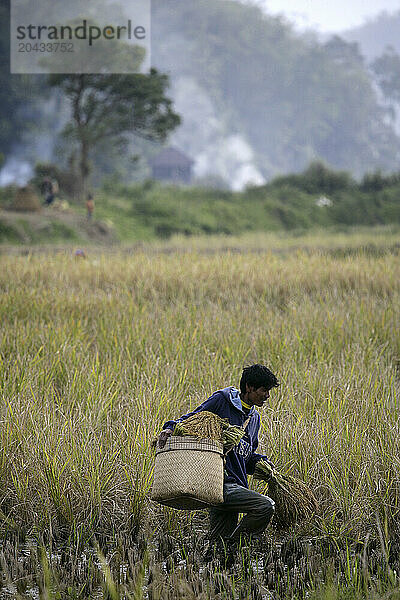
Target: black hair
(258,376)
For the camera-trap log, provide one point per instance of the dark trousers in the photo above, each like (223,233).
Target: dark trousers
(238,499)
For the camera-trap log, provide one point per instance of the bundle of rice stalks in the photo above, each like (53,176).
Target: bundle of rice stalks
(207,425)
(202,425)
(294,501)
(26,200)
(231,436)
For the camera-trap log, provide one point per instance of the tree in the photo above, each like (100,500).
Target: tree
(110,107)
(387,71)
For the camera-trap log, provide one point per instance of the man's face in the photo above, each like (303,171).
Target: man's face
(256,396)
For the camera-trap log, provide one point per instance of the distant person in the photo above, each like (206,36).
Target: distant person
(47,190)
(90,206)
(55,187)
(80,253)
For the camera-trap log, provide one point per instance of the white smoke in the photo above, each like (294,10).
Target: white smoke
(232,159)
(38,144)
(207,138)
(15,171)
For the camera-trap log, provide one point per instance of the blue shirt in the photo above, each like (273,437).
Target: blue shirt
(242,459)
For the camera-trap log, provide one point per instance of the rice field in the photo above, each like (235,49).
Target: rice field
(96,354)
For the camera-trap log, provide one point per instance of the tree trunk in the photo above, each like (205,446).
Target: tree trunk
(84,166)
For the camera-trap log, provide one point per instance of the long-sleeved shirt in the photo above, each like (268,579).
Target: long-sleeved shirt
(242,459)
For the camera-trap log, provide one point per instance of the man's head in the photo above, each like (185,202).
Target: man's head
(256,383)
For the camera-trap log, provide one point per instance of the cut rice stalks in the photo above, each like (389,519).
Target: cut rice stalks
(294,501)
(207,425)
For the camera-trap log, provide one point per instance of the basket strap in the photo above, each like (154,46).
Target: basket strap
(246,422)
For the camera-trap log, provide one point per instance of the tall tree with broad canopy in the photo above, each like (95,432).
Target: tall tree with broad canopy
(110,107)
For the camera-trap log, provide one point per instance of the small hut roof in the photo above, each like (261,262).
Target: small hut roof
(171,157)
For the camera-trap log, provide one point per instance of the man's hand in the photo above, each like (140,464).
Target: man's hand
(162,438)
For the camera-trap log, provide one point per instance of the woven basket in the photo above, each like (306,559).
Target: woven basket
(189,473)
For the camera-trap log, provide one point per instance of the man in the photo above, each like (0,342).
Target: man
(239,407)
(90,206)
(47,191)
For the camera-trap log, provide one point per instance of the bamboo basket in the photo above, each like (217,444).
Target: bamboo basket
(189,473)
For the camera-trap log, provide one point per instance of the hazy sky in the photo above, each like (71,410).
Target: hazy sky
(329,15)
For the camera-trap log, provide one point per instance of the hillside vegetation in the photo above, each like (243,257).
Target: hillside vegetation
(318,198)
(291,98)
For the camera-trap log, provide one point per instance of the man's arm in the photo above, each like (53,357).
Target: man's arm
(212,404)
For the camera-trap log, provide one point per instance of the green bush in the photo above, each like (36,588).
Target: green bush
(318,179)
(8,233)
(286,203)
